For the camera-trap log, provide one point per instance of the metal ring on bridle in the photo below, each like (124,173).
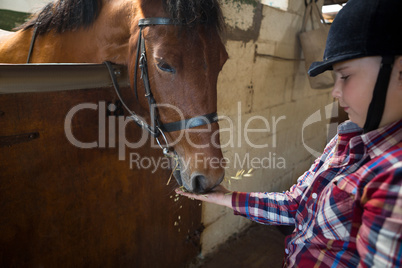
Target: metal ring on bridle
(164,137)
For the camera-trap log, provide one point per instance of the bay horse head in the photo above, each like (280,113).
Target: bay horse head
(183,60)
(186,55)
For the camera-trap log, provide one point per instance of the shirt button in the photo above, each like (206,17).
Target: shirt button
(314,195)
(286,251)
(300,227)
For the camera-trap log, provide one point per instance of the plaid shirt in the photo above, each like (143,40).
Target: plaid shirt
(347,208)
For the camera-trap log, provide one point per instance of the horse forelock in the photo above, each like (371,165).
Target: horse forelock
(64,15)
(194,12)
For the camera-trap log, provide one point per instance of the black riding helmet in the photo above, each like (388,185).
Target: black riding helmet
(365,28)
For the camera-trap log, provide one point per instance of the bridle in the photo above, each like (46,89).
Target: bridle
(155,128)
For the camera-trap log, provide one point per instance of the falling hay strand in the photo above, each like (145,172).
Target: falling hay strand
(175,158)
(242,174)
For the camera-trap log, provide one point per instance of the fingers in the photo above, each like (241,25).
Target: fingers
(201,197)
(220,196)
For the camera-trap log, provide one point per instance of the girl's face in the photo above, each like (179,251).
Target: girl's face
(354,84)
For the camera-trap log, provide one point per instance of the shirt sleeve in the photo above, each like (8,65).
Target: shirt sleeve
(279,208)
(272,208)
(379,241)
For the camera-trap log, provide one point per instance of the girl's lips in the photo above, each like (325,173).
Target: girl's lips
(345,108)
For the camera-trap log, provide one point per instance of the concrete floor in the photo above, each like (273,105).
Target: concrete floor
(258,246)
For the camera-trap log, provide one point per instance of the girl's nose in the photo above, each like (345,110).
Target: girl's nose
(336,91)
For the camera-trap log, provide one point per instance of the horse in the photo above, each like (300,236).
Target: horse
(184,55)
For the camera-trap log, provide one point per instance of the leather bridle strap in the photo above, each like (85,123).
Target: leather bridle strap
(158,21)
(377,104)
(141,45)
(31,46)
(148,94)
(116,87)
(190,123)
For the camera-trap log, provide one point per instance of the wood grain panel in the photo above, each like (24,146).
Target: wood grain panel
(63,206)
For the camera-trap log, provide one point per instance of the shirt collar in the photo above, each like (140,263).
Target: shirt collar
(376,141)
(348,127)
(380,140)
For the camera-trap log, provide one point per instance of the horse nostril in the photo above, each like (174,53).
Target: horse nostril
(198,182)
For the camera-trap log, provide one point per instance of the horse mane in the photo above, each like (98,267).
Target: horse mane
(64,15)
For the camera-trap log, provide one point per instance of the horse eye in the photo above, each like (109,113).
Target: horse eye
(166,67)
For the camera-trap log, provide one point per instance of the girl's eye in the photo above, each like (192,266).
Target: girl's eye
(163,66)
(345,77)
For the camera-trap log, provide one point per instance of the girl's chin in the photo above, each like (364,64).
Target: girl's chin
(360,123)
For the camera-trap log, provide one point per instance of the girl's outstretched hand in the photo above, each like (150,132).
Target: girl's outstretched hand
(219,195)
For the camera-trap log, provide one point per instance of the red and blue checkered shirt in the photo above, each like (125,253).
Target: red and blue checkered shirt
(347,208)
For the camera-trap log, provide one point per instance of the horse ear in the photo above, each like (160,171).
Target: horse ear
(152,8)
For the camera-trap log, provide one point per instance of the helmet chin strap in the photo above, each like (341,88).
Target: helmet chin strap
(377,105)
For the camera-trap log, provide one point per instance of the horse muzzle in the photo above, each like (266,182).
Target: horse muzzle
(196,181)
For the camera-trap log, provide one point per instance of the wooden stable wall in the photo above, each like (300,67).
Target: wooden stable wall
(62,206)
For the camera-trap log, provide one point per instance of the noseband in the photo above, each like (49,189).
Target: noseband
(155,128)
